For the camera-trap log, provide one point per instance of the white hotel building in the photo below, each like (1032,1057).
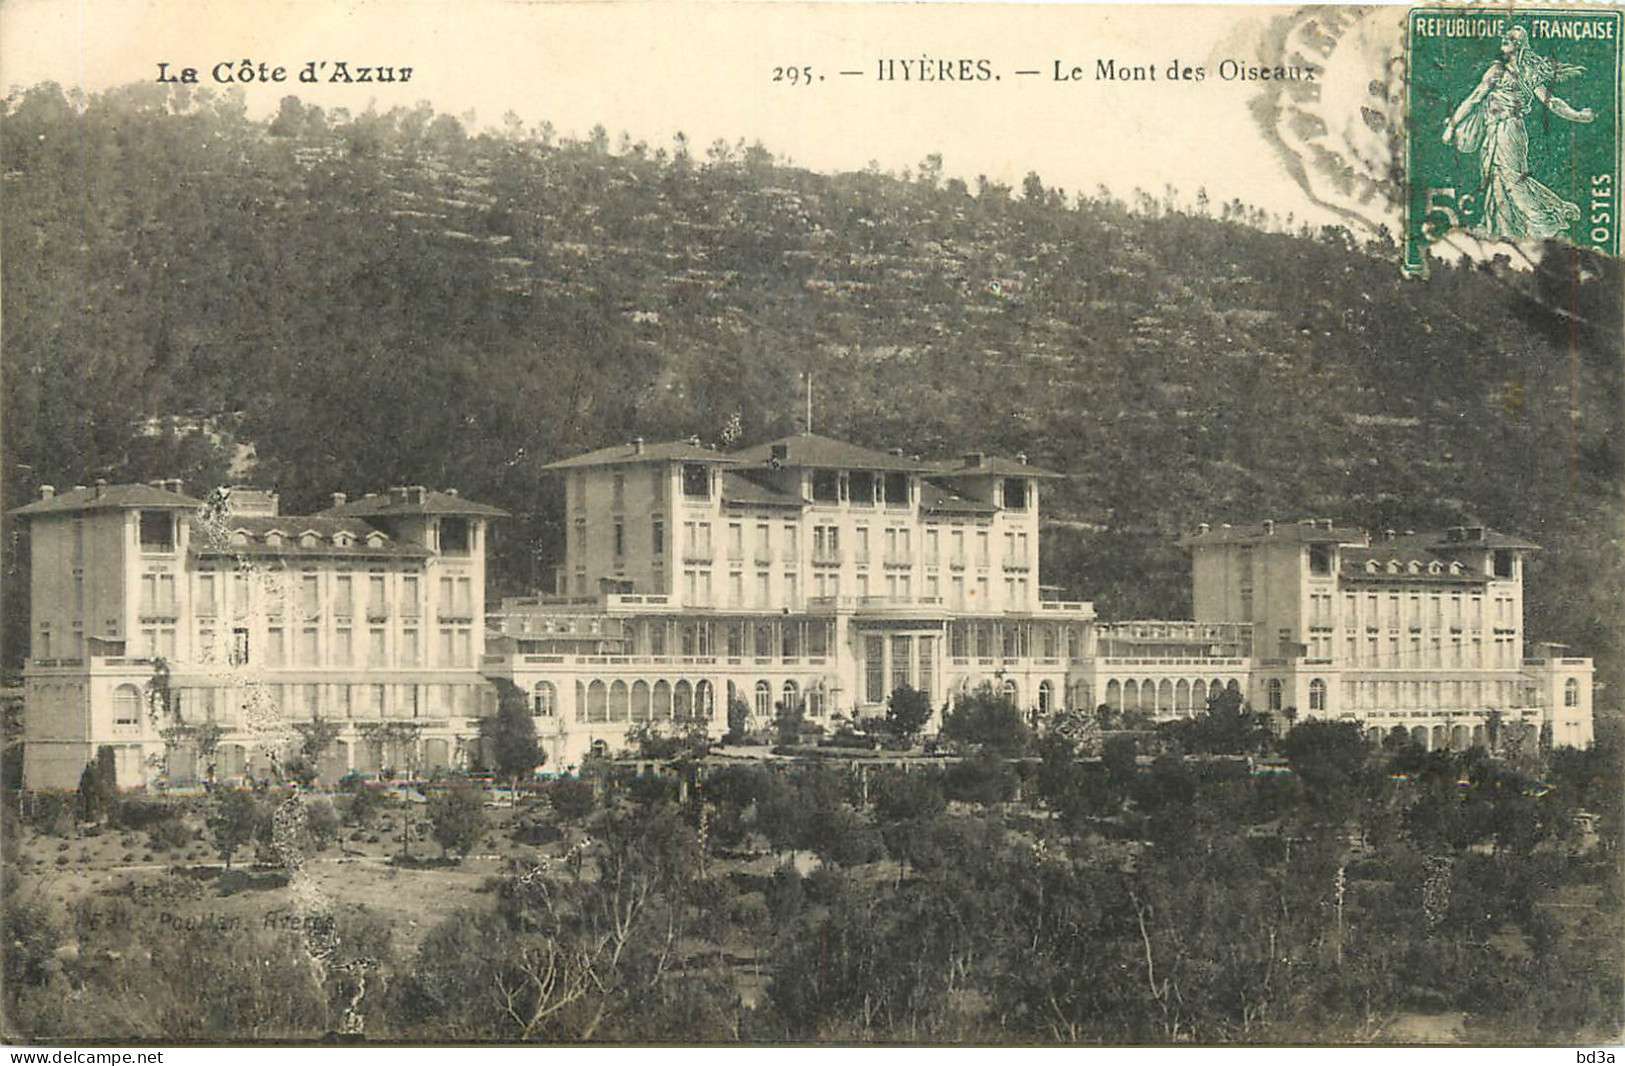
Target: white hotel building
(805,570)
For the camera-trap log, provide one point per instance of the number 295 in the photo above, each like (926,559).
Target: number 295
(793,75)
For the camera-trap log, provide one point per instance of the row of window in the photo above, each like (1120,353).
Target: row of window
(310,646)
(1166,697)
(1414,611)
(1014,640)
(239,705)
(309,593)
(1414,651)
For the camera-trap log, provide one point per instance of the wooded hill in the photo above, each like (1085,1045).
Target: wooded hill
(378,299)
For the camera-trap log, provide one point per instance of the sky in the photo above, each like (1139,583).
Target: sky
(707,69)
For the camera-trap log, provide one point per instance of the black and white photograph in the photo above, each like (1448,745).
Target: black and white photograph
(810,524)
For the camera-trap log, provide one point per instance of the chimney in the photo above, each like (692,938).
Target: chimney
(452,493)
(415,493)
(1202,529)
(101,483)
(47,491)
(397,493)
(1410,532)
(1387,534)
(1269,527)
(1306,523)
(1326,524)
(157,483)
(340,499)
(174,485)
(1021,457)
(370,496)
(637,445)
(694,440)
(780,452)
(1225,527)
(973,458)
(895,451)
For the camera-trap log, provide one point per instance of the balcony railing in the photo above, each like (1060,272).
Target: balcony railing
(1066,607)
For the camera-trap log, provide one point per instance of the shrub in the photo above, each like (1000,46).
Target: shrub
(573,800)
(983,779)
(458,818)
(321,823)
(140,814)
(168,834)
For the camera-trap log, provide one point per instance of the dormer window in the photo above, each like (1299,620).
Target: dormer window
(307,539)
(273,538)
(1455,568)
(239,536)
(375,540)
(157,531)
(1504,563)
(1015,494)
(1413,567)
(343,539)
(1435,568)
(1393,566)
(1371,566)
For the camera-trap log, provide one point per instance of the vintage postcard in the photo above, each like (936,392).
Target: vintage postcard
(707,523)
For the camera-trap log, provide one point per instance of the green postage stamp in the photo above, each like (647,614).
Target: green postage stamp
(1514,127)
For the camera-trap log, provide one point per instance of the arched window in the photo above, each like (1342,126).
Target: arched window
(542,699)
(1274,693)
(597,702)
(705,703)
(600,749)
(662,702)
(640,701)
(1199,695)
(127,707)
(1114,695)
(1131,695)
(1046,697)
(683,701)
(618,701)
(1165,696)
(1571,692)
(1317,695)
(1148,695)
(1182,697)
(792,695)
(1011,695)
(764,699)
(581,701)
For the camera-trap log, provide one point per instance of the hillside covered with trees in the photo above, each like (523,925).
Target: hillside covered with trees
(386,298)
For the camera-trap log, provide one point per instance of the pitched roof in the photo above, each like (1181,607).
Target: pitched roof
(1353,565)
(740,489)
(811,449)
(111,497)
(1282,533)
(426,502)
(938,499)
(293,528)
(975,464)
(622,454)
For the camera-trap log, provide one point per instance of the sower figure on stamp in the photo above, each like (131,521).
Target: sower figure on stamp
(1490,124)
